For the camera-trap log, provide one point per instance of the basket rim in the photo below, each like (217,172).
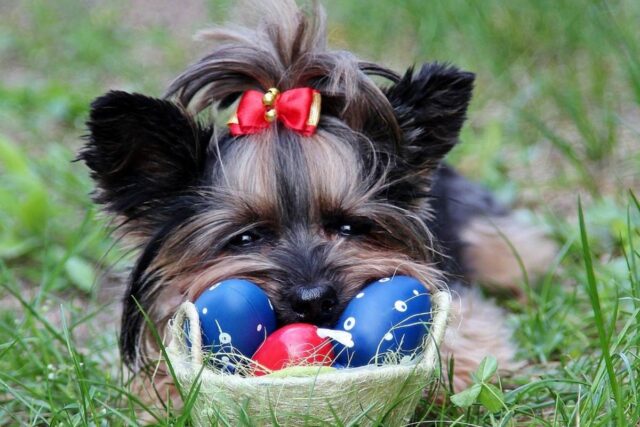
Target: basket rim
(189,361)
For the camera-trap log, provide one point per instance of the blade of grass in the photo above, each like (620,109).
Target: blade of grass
(27,306)
(85,398)
(117,413)
(594,297)
(565,148)
(163,350)
(132,399)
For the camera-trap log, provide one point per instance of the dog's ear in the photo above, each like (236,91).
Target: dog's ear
(143,153)
(430,107)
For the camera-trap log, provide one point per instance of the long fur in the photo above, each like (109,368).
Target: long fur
(189,194)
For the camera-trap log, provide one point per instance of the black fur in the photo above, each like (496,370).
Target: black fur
(148,158)
(143,152)
(136,300)
(292,182)
(305,264)
(455,202)
(430,107)
(153,167)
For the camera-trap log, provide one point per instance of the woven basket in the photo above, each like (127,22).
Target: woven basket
(368,395)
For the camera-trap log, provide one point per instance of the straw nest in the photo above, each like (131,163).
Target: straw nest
(367,395)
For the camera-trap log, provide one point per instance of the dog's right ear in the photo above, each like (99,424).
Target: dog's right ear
(144,155)
(431,106)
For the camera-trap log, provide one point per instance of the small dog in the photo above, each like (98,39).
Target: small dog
(309,214)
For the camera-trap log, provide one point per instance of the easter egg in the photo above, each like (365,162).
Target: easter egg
(236,316)
(391,315)
(298,344)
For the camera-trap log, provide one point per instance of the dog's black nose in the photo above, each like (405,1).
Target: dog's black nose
(315,304)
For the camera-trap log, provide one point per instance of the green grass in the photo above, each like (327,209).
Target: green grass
(556,116)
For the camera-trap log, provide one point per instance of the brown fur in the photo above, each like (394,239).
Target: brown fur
(495,249)
(370,160)
(477,329)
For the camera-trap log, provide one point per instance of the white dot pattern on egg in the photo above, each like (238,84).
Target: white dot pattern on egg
(349,323)
(401,306)
(235,317)
(399,302)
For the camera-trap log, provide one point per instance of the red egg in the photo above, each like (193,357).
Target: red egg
(297,344)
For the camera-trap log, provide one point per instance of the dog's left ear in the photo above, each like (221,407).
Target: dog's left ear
(430,107)
(143,154)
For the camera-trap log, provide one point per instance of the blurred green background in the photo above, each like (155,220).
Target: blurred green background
(556,115)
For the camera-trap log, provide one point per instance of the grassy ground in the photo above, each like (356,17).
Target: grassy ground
(556,118)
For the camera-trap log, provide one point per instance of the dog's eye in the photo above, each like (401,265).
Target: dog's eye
(347,226)
(244,240)
(353,228)
(346,230)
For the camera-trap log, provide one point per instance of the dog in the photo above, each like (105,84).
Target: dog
(310,213)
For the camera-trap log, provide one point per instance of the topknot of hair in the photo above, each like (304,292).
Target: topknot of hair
(279,45)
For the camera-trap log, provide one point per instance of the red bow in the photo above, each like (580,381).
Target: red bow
(297,109)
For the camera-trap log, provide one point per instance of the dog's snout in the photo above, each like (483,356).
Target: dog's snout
(315,304)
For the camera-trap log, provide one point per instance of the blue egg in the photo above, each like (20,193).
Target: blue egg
(236,316)
(389,315)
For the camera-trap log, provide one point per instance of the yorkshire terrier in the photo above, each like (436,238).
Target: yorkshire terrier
(329,175)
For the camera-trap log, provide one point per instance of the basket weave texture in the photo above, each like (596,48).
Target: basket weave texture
(367,395)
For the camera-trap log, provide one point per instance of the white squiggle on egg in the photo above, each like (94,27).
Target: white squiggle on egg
(343,337)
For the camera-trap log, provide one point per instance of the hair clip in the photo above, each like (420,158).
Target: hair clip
(298,109)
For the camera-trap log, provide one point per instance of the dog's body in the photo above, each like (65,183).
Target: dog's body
(310,219)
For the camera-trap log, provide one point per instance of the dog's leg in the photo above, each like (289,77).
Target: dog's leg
(484,241)
(485,244)
(498,251)
(476,329)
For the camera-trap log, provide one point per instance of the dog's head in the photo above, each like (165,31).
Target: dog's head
(310,219)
